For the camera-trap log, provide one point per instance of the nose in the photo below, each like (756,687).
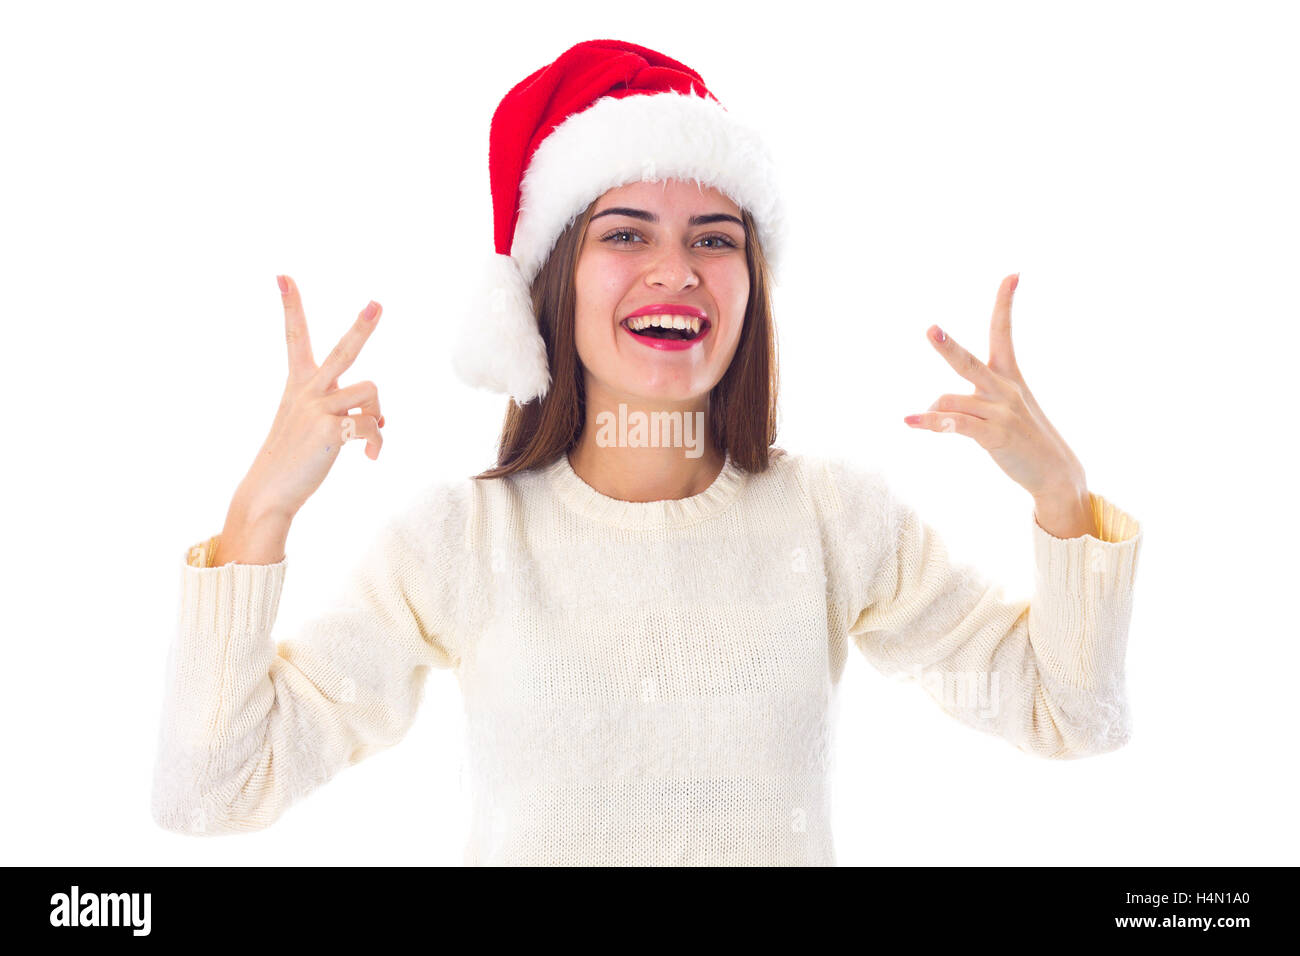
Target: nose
(672,271)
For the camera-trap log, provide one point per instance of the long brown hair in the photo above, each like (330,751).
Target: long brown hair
(742,406)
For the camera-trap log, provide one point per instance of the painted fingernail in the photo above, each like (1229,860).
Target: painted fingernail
(371,310)
(381,421)
(912,419)
(283,283)
(1015,283)
(939,335)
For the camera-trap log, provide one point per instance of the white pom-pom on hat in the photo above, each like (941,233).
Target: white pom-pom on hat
(500,348)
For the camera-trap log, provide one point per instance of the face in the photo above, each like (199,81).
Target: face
(642,254)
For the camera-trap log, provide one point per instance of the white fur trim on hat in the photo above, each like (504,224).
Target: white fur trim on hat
(642,138)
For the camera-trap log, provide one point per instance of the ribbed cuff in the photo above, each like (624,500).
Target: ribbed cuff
(234,598)
(1114,525)
(1078,619)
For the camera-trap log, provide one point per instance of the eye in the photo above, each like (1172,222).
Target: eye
(618,232)
(721,241)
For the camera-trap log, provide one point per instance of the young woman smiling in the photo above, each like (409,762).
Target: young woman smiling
(648,642)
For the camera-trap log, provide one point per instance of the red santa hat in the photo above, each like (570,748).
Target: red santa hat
(604,114)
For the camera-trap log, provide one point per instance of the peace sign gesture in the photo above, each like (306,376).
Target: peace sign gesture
(313,420)
(1002,414)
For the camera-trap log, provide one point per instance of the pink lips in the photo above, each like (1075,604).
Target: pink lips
(669,345)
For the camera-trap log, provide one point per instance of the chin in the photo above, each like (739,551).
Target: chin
(665,391)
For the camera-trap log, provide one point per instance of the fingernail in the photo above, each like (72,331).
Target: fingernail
(371,310)
(911,419)
(283,283)
(1015,283)
(939,335)
(381,421)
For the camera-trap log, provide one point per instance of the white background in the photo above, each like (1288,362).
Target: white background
(1135,162)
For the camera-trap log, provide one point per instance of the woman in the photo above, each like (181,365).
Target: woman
(647,605)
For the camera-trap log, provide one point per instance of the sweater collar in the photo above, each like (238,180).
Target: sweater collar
(665,513)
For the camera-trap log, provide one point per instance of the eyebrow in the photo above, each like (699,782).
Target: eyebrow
(651,217)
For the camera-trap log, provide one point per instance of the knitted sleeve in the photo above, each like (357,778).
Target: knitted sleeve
(1046,674)
(250,725)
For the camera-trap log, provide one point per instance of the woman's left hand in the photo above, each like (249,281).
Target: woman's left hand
(1002,414)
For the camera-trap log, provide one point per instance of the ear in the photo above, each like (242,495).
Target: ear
(499,346)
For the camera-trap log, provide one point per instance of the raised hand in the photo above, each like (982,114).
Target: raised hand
(1002,414)
(314,420)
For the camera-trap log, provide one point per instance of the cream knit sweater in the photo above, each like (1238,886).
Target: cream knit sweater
(644,682)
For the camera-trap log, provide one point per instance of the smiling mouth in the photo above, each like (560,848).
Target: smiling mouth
(686,334)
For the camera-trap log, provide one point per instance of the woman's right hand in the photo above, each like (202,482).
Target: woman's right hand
(310,427)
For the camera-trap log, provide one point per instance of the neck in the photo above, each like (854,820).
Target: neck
(647,449)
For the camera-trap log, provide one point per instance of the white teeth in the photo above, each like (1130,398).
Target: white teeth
(664,322)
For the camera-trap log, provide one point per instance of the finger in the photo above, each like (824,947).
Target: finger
(957,422)
(362,426)
(345,353)
(1002,356)
(971,405)
(301,363)
(363,395)
(965,364)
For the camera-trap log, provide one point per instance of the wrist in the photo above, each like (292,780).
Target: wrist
(1065,512)
(253,534)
